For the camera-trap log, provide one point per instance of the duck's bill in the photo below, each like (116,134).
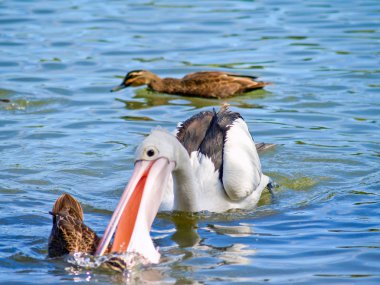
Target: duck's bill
(119,87)
(138,206)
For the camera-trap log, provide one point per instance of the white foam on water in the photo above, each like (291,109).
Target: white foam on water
(88,261)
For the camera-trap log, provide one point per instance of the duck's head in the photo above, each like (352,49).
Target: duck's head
(132,220)
(136,78)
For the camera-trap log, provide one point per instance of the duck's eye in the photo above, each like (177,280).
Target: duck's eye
(150,152)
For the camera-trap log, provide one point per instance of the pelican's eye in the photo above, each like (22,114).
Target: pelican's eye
(151,152)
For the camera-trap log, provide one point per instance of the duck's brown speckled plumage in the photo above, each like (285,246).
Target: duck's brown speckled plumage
(69,234)
(209,84)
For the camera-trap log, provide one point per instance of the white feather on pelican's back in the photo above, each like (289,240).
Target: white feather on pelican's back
(241,168)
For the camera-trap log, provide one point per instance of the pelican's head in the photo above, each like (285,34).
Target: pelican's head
(139,204)
(136,78)
(159,144)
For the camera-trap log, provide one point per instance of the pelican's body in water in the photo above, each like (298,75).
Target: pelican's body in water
(217,163)
(210,164)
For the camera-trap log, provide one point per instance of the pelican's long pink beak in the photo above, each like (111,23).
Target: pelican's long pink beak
(138,206)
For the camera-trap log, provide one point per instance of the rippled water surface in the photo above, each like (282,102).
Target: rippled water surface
(62,131)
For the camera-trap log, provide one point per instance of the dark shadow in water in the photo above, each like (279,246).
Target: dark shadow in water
(145,98)
(186,225)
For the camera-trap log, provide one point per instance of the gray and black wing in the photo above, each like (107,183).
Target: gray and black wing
(191,132)
(205,132)
(224,137)
(215,138)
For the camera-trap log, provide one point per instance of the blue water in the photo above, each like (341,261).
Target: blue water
(64,132)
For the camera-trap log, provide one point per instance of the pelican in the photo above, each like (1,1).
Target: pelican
(210,164)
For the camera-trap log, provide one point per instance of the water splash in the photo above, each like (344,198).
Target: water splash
(123,263)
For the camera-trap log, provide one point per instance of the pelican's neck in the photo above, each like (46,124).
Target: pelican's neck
(185,183)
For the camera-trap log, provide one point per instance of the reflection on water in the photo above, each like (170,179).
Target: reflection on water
(61,130)
(185,234)
(145,98)
(232,231)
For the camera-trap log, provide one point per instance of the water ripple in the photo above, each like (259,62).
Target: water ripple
(61,130)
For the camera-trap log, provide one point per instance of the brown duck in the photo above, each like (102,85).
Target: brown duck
(209,84)
(69,234)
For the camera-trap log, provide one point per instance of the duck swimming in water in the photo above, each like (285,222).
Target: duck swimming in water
(69,234)
(210,164)
(208,84)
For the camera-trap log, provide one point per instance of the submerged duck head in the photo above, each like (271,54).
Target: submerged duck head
(136,78)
